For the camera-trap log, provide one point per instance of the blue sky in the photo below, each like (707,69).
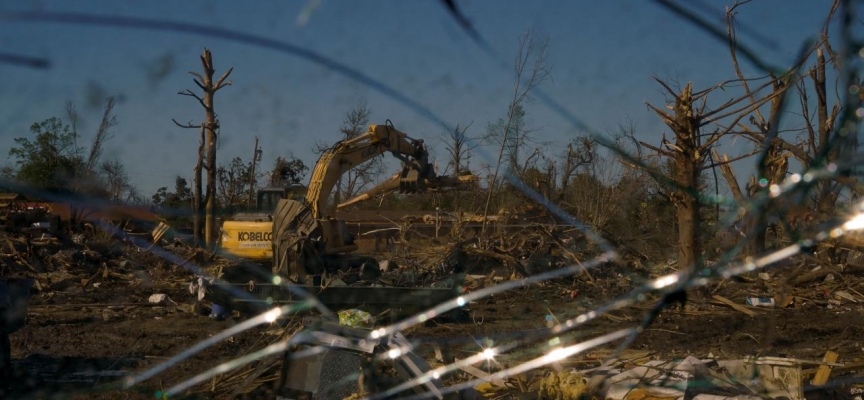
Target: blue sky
(602,54)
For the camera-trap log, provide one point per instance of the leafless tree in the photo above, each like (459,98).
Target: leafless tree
(696,129)
(815,146)
(459,145)
(356,179)
(580,153)
(103,134)
(529,71)
(116,181)
(90,178)
(209,129)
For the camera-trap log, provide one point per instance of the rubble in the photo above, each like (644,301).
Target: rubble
(87,277)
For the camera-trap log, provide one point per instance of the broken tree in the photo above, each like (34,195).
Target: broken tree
(208,146)
(690,154)
(817,144)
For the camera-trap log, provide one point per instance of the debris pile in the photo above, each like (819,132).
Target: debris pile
(703,349)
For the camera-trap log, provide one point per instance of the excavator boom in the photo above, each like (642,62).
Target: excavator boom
(350,153)
(395,184)
(306,239)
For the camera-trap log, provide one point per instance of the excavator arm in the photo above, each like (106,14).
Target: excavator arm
(349,153)
(306,239)
(396,184)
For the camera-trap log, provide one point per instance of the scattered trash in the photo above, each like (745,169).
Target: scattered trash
(79,238)
(387,265)
(68,272)
(158,298)
(734,305)
(356,318)
(198,287)
(845,296)
(761,301)
(159,232)
(709,379)
(654,379)
(563,385)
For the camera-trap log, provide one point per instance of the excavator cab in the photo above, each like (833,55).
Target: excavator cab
(247,235)
(269,197)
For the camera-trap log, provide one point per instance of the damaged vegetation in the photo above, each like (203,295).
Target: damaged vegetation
(613,268)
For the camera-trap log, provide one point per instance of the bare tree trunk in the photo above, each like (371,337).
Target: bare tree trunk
(689,220)
(211,126)
(210,198)
(196,199)
(252,176)
(523,83)
(729,176)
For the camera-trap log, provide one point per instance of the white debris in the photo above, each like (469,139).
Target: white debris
(158,298)
(198,286)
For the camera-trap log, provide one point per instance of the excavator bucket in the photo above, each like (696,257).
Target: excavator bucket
(397,183)
(295,235)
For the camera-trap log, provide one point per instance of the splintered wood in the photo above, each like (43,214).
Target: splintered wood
(734,305)
(824,371)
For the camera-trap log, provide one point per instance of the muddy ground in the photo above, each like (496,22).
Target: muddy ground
(79,342)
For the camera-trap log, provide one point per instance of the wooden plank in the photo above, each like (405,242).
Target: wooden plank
(824,371)
(158,233)
(843,295)
(11,246)
(734,305)
(845,368)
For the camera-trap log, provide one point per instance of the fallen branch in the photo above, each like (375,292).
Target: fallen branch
(813,275)
(734,305)
(95,305)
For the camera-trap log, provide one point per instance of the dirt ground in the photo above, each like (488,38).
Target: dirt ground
(79,342)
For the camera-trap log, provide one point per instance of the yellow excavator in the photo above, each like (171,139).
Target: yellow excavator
(247,235)
(300,235)
(309,241)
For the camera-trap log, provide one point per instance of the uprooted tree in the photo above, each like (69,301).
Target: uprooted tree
(459,145)
(206,148)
